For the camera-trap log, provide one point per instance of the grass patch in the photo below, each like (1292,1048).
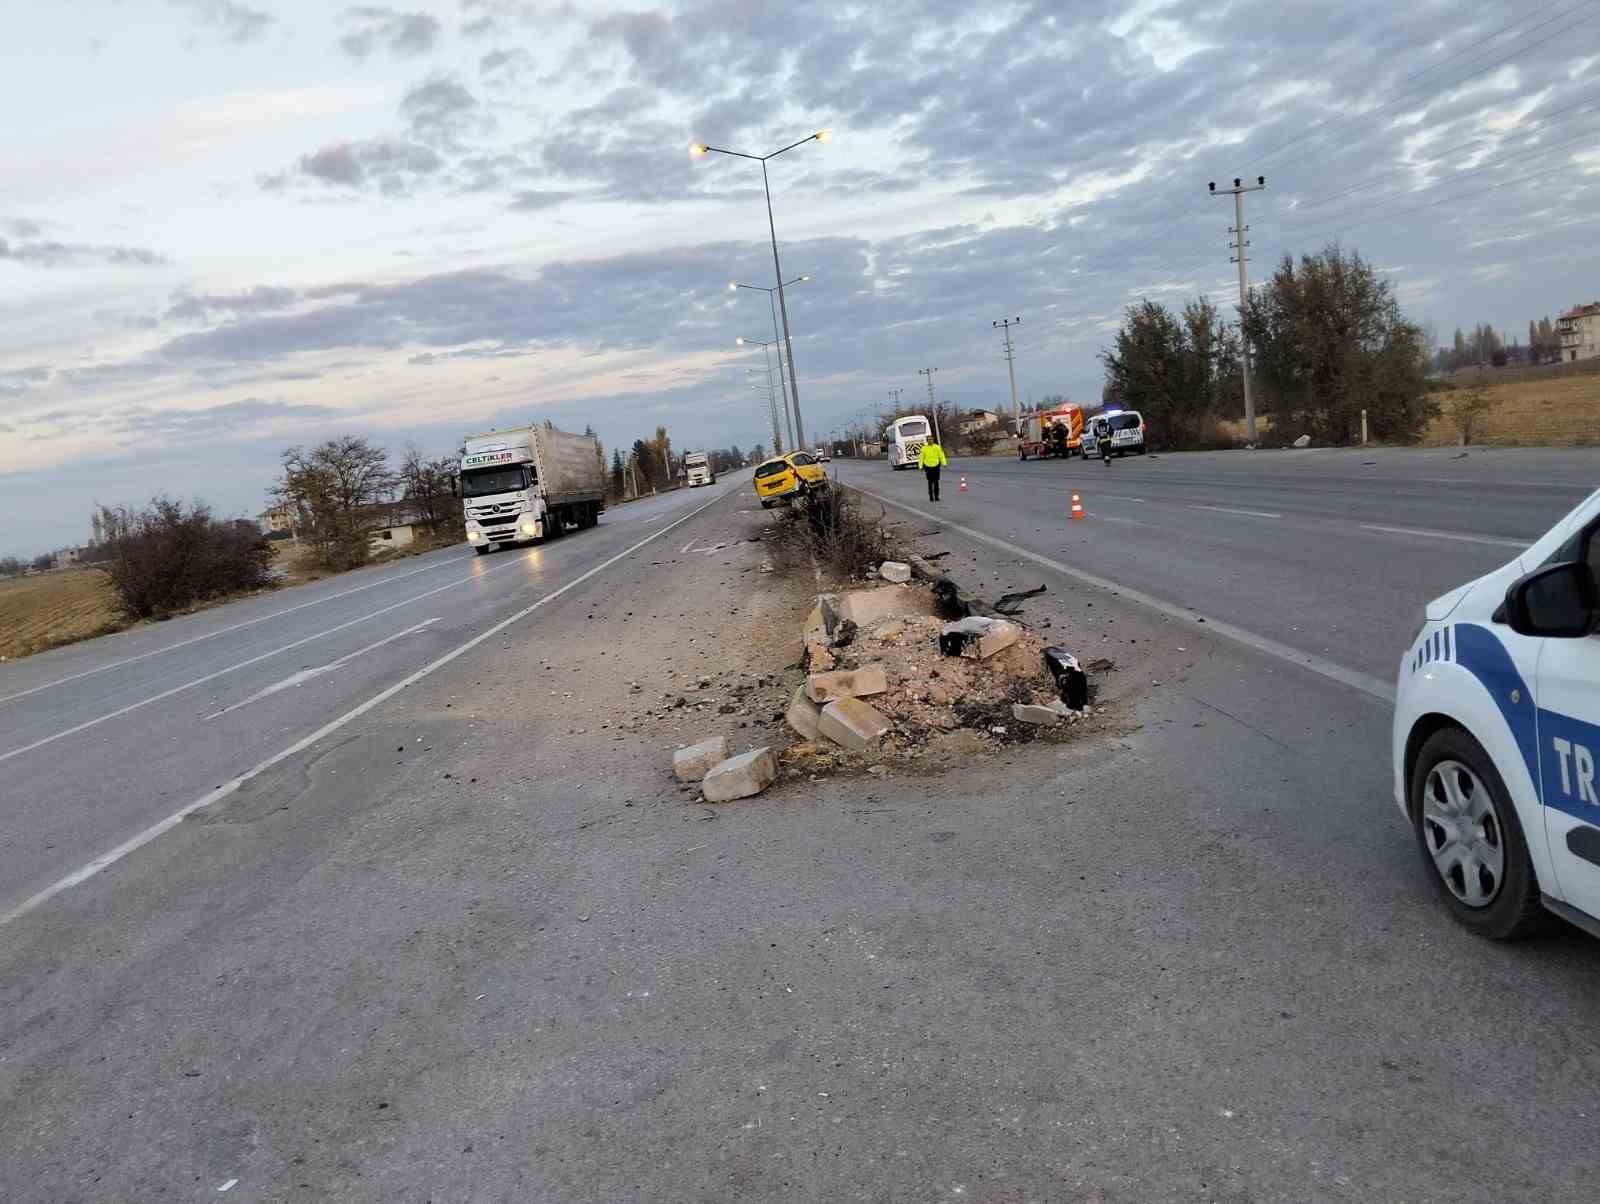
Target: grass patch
(50,609)
(1549,411)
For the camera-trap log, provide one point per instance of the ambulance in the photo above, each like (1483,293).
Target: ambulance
(1496,742)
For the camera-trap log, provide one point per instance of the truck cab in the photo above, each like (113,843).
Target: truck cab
(697,468)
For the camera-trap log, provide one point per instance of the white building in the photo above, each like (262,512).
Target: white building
(1579,329)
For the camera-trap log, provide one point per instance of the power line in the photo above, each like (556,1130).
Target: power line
(1457,177)
(1446,200)
(1542,126)
(1323,126)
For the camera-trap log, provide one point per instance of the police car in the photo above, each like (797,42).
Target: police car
(1127,431)
(1497,737)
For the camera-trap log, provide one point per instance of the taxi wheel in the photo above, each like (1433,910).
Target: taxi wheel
(1470,839)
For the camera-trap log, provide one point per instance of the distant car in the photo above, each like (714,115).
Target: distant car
(1497,734)
(822,455)
(786,477)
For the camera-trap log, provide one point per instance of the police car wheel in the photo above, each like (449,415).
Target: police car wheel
(1470,839)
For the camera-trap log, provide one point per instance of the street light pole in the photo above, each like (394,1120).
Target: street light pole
(777,436)
(1011,367)
(701,148)
(773,306)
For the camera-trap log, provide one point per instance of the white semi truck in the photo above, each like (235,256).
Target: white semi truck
(529,482)
(697,467)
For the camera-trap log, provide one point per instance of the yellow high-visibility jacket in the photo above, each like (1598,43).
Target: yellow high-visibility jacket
(931,456)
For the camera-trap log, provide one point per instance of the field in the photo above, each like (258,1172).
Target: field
(47,609)
(1557,411)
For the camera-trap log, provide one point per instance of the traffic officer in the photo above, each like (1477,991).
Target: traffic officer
(932,459)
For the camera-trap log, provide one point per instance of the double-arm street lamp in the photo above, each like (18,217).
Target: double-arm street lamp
(700,148)
(772,392)
(734,287)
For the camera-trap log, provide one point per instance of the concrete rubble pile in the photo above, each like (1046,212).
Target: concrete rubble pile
(887,675)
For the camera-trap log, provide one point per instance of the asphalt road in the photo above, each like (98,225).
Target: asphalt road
(101,742)
(473,944)
(1330,552)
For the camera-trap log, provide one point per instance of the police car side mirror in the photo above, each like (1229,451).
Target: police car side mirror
(1558,601)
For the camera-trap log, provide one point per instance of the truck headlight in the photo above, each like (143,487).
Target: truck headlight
(527,526)
(474,535)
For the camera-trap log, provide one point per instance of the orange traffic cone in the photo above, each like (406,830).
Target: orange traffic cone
(1077,506)
(963,484)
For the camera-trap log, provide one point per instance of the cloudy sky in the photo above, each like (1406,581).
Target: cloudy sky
(227,226)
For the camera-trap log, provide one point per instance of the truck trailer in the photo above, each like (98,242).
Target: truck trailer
(529,483)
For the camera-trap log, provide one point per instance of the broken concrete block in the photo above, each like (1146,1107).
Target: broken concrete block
(978,638)
(864,607)
(893,570)
(846,683)
(740,777)
(693,763)
(851,723)
(1049,715)
(818,658)
(892,630)
(1303,441)
(803,714)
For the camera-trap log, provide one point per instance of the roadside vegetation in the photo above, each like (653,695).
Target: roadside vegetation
(827,532)
(169,557)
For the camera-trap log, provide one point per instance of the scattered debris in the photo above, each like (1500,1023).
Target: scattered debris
(845,634)
(1072,683)
(864,607)
(847,683)
(895,571)
(977,637)
(818,659)
(741,777)
(693,763)
(1303,441)
(947,600)
(852,724)
(1011,604)
(803,714)
(1049,714)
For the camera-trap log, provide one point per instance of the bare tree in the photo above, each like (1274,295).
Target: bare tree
(335,491)
(426,484)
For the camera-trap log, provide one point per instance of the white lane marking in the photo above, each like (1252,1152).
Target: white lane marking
(305,675)
(1364,682)
(244,664)
(61,681)
(1121,497)
(684,551)
(1423,533)
(1231,510)
(134,843)
(1113,518)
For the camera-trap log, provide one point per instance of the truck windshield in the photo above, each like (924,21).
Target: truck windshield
(479,482)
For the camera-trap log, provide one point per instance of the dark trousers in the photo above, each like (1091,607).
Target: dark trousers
(933,483)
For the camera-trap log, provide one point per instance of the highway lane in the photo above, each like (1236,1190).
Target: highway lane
(1327,552)
(101,740)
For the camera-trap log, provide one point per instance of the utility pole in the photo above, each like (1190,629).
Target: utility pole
(933,406)
(1240,242)
(1011,367)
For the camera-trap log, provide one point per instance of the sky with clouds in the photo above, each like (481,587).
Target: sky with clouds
(228,226)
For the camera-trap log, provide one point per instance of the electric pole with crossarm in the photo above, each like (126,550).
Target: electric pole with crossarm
(1240,242)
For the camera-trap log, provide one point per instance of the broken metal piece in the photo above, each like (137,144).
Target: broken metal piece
(1011,604)
(1072,683)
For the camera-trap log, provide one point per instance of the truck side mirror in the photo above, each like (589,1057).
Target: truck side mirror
(1559,601)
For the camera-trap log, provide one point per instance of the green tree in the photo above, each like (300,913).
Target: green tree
(1330,341)
(619,474)
(1180,370)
